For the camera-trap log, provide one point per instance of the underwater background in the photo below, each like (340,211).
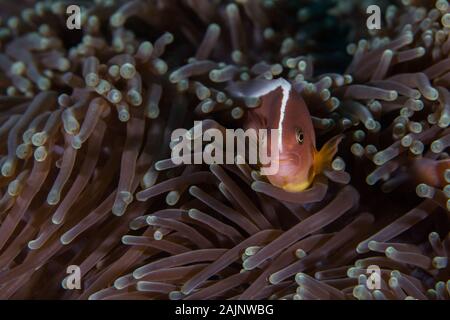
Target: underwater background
(86,117)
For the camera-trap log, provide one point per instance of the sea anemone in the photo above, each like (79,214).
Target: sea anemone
(86,118)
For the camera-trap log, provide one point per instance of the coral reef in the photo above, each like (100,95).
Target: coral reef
(86,118)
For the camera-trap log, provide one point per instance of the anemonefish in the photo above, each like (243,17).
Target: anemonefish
(430,171)
(283,108)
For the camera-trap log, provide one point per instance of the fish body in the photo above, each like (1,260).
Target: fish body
(283,108)
(430,171)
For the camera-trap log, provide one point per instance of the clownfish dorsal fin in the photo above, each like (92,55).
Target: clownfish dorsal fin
(257,87)
(323,158)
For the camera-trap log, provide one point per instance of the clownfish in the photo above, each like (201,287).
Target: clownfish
(430,171)
(283,108)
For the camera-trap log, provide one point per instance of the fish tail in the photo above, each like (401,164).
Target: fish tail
(431,172)
(324,157)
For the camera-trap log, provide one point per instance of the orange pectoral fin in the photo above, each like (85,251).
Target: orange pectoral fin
(324,157)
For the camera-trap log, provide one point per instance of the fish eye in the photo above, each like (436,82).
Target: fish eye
(299,136)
